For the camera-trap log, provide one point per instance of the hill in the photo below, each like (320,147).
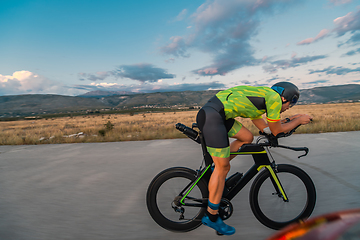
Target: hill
(99,94)
(340,93)
(160,99)
(34,104)
(28,105)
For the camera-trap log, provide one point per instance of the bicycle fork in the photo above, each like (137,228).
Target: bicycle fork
(276,182)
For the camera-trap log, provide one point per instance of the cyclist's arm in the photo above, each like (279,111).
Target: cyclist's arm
(278,127)
(285,120)
(260,124)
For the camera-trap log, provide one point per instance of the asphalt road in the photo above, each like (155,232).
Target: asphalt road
(97,190)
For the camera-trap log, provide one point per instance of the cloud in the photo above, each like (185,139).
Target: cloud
(335,70)
(26,82)
(350,23)
(181,15)
(193,86)
(151,87)
(94,77)
(241,56)
(316,82)
(245,82)
(275,78)
(340,2)
(170,60)
(142,72)
(102,87)
(322,34)
(353,40)
(177,47)
(293,62)
(224,29)
(352,52)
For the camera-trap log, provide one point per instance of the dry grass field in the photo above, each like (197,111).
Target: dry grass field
(146,126)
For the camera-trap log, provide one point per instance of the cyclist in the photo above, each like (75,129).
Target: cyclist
(216,120)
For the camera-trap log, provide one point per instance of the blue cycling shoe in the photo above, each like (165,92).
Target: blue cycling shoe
(219,225)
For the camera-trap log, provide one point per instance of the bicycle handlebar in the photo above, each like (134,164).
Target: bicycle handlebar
(280,135)
(297,149)
(273,141)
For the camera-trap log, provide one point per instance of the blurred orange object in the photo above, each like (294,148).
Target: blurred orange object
(344,224)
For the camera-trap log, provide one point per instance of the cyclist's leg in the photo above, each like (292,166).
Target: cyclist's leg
(240,133)
(217,180)
(211,124)
(216,188)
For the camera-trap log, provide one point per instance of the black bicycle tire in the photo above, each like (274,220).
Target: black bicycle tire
(310,190)
(154,210)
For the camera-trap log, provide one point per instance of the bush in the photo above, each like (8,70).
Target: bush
(102,132)
(109,126)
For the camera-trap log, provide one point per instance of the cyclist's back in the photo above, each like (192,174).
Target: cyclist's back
(250,102)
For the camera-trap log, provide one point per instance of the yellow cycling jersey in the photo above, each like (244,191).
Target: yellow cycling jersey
(251,102)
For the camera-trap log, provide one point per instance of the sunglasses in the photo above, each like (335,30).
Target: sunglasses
(293,101)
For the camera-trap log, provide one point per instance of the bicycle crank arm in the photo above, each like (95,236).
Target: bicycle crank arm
(194,205)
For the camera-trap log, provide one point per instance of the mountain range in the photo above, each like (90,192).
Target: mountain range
(36,104)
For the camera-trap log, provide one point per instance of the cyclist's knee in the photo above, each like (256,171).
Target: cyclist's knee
(222,164)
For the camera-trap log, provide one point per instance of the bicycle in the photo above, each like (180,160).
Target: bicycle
(281,193)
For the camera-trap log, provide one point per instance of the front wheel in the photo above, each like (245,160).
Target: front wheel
(165,193)
(268,204)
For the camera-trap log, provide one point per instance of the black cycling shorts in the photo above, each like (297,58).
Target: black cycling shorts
(215,128)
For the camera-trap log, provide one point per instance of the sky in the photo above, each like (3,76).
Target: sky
(71,47)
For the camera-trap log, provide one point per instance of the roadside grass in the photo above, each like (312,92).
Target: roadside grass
(148,126)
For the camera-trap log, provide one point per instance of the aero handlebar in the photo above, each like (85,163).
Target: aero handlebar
(273,141)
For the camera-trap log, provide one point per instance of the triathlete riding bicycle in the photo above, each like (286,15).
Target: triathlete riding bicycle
(216,120)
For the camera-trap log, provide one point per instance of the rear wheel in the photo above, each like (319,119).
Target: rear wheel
(268,204)
(164,195)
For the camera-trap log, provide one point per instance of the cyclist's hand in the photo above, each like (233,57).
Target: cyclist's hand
(296,116)
(305,119)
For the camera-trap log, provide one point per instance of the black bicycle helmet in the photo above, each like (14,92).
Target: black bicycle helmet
(287,90)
